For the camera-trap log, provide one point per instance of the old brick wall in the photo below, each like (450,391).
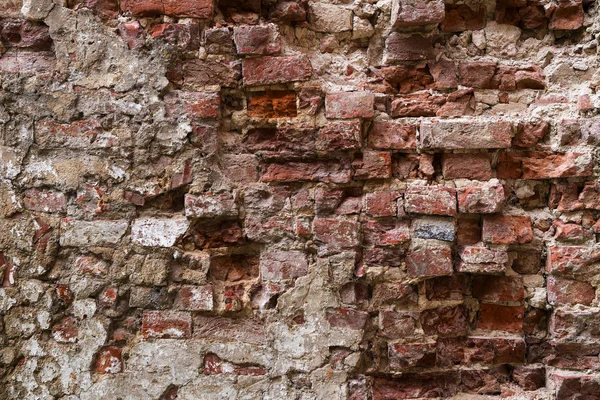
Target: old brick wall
(294,199)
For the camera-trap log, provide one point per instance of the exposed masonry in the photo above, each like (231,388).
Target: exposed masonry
(269,199)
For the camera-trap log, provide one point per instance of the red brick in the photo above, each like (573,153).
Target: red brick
(590,196)
(429,262)
(444,74)
(417,105)
(25,35)
(483,199)
(133,34)
(210,205)
(484,381)
(281,143)
(568,15)
(392,135)
(372,165)
(109,361)
(465,134)
(340,135)
(271,70)
(397,324)
(261,40)
(452,320)
(184,9)
(480,350)
(382,204)
(65,331)
(346,318)
(575,387)
(283,264)
(469,166)
(498,288)
(572,260)
(337,233)
(569,232)
(494,317)
(386,232)
(548,165)
(193,104)
(348,105)
(240,168)
(272,104)
(166,324)
(240,330)
(564,291)
(184,36)
(416,385)
(408,13)
(531,78)
(317,171)
(461,17)
(477,74)
(410,355)
(44,200)
(529,378)
(480,260)
(505,229)
(529,134)
(395,293)
(288,11)
(435,200)
(575,324)
(412,48)
(198,72)
(452,287)
(105,9)
(108,297)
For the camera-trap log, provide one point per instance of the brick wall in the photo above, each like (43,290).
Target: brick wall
(293,199)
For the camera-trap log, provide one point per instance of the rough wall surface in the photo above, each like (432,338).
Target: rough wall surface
(271,199)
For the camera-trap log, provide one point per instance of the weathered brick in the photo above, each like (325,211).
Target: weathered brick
(232,330)
(283,264)
(184,36)
(409,355)
(498,288)
(219,41)
(461,17)
(348,105)
(481,260)
(453,287)
(154,232)
(392,135)
(25,34)
(346,318)
(452,320)
(386,232)
(233,267)
(133,34)
(271,70)
(574,386)
(485,199)
(209,205)
(193,104)
(436,200)
(564,291)
(109,361)
(194,298)
(507,229)
(416,13)
(166,324)
(44,200)
(337,233)
(494,317)
(469,166)
(572,260)
(568,15)
(415,385)
(197,72)
(261,40)
(372,165)
(394,292)
(397,324)
(335,171)
(575,324)
(340,135)
(382,204)
(429,262)
(411,48)
(529,134)
(465,134)
(184,9)
(541,165)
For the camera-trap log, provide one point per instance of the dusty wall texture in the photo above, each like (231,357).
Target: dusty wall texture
(291,199)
